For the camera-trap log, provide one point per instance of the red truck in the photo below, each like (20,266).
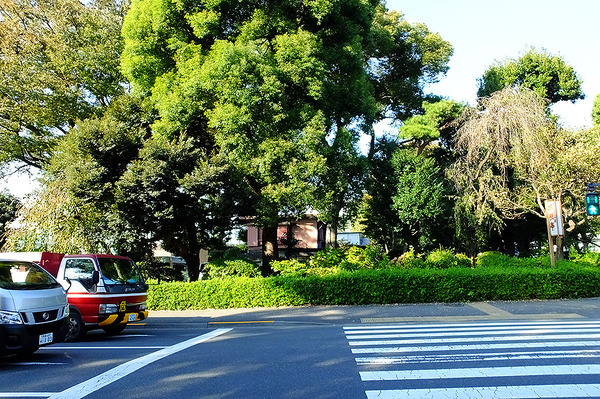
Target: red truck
(103,291)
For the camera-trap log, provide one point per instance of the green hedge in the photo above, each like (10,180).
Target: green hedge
(384,286)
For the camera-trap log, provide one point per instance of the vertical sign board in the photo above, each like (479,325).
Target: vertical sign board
(554,218)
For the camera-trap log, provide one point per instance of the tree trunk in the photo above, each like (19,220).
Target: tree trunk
(333,230)
(193,265)
(270,249)
(192,255)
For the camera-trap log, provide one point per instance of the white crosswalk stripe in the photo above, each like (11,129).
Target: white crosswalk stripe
(538,359)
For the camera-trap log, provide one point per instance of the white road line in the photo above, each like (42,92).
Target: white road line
(480,372)
(53,347)
(25,394)
(475,339)
(475,357)
(444,326)
(386,330)
(441,348)
(502,392)
(32,363)
(471,334)
(93,384)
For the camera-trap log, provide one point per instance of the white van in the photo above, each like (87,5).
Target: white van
(33,308)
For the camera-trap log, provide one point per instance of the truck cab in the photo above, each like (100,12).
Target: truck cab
(33,308)
(104,291)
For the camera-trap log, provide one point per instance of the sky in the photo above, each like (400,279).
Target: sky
(484,32)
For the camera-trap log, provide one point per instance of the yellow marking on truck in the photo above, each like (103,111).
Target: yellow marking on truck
(109,320)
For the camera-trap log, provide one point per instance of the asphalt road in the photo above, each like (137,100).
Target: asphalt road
(489,349)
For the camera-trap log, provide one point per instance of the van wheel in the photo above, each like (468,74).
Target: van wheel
(76,330)
(114,329)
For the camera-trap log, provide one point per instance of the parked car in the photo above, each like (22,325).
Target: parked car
(33,308)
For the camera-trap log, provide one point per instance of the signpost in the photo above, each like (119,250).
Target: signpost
(554,222)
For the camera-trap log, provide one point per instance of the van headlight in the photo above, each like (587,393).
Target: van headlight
(7,317)
(143,306)
(108,308)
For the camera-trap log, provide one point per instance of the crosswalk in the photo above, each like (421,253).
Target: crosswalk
(538,359)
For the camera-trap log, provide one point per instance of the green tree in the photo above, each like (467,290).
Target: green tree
(269,81)
(512,158)
(341,188)
(402,59)
(178,195)
(419,192)
(9,204)
(596,111)
(547,75)
(279,86)
(59,63)
(408,199)
(74,210)
(376,216)
(58,222)
(419,196)
(435,124)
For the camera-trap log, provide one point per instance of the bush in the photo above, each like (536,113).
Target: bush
(463,260)
(587,256)
(456,284)
(357,258)
(409,260)
(329,258)
(332,261)
(497,259)
(223,268)
(443,259)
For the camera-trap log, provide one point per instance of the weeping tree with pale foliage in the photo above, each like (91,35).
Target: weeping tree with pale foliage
(55,221)
(513,157)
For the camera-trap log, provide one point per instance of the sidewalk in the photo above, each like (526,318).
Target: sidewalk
(588,308)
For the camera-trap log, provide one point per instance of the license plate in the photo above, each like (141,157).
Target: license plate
(132,317)
(46,338)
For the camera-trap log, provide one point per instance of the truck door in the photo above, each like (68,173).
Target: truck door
(81,274)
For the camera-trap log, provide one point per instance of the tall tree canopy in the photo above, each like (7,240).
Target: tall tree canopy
(269,81)
(403,58)
(74,209)
(59,62)
(513,156)
(547,75)
(278,85)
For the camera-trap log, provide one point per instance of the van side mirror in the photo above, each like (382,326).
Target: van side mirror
(95,277)
(66,284)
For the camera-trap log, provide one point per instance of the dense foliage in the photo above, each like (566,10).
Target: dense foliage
(169,121)
(282,91)
(8,213)
(59,64)
(547,75)
(357,277)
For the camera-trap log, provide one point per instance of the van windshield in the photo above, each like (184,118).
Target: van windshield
(19,275)
(120,271)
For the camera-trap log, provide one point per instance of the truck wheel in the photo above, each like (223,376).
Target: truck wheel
(114,329)
(76,329)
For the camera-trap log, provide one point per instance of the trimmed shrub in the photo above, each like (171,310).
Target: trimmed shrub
(383,286)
